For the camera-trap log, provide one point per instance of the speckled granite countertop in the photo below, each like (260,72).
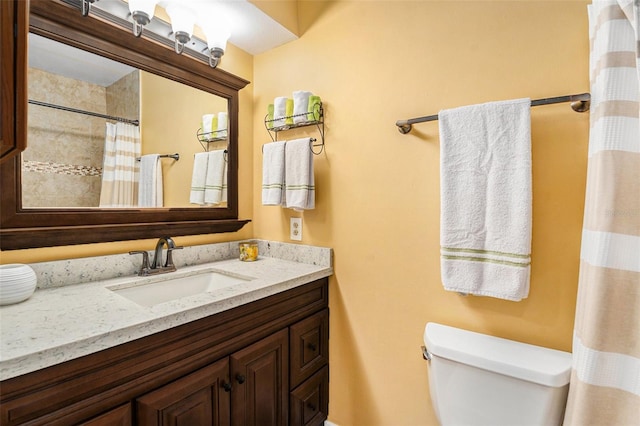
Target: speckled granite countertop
(63,322)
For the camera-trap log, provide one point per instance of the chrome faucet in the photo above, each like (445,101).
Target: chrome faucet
(156,266)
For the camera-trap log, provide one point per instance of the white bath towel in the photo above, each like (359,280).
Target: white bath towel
(300,190)
(214,180)
(200,163)
(300,105)
(273,174)
(222,125)
(485,171)
(279,111)
(150,188)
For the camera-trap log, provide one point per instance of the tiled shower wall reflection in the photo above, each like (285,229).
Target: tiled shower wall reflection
(62,166)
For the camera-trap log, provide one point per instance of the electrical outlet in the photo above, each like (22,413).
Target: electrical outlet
(296,229)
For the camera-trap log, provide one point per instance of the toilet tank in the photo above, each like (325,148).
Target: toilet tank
(476,379)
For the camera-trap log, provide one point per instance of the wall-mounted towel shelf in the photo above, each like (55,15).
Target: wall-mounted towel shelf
(208,137)
(205,138)
(579,103)
(318,115)
(175,156)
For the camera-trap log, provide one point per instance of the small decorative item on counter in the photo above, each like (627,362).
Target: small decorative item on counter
(248,251)
(17,283)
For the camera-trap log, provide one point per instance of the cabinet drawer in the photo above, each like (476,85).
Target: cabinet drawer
(310,401)
(309,347)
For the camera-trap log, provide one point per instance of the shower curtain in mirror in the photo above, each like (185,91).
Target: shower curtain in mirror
(120,169)
(605,382)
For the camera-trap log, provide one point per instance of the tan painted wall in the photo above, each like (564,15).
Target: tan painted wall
(377,200)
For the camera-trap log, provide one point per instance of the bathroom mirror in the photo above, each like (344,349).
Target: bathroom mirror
(26,224)
(70,91)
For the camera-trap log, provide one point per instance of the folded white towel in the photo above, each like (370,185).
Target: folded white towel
(207,126)
(300,105)
(200,163)
(299,181)
(150,187)
(279,111)
(214,181)
(222,125)
(485,175)
(273,173)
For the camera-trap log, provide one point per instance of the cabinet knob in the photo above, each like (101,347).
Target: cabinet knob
(240,378)
(311,406)
(312,346)
(226,386)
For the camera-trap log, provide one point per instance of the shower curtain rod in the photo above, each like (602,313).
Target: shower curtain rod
(80,111)
(579,103)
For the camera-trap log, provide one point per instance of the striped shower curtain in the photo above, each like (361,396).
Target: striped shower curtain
(120,169)
(605,382)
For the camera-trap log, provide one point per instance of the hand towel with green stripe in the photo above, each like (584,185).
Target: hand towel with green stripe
(485,177)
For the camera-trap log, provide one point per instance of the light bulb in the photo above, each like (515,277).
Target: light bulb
(217,33)
(182,21)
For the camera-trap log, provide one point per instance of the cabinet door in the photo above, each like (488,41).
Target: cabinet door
(201,398)
(14,27)
(260,375)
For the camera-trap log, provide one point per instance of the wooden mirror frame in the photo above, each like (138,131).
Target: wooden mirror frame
(29,228)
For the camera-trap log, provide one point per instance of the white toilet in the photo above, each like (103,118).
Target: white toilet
(481,380)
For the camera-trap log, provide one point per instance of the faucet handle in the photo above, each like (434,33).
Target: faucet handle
(169,261)
(145,261)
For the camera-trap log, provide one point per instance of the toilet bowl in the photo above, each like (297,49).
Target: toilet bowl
(476,379)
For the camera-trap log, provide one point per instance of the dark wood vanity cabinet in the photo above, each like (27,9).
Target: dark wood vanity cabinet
(263,363)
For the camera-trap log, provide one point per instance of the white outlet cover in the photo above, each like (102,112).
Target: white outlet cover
(295,230)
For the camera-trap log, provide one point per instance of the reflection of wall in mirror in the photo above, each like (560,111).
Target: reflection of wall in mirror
(171,115)
(62,165)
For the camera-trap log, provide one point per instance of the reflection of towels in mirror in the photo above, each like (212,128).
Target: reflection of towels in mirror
(215,180)
(150,186)
(209,179)
(200,162)
(222,125)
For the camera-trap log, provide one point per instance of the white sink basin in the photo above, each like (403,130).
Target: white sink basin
(165,288)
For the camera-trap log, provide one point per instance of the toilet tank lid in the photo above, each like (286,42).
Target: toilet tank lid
(548,367)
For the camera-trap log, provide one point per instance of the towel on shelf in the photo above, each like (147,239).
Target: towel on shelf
(207,125)
(270,116)
(150,186)
(273,173)
(485,171)
(300,105)
(300,191)
(314,108)
(200,163)
(288,112)
(222,125)
(214,180)
(279,111)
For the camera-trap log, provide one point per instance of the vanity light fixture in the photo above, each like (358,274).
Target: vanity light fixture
(142,12)
(183,16)
(182,21)
(217,33)
(86,7)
